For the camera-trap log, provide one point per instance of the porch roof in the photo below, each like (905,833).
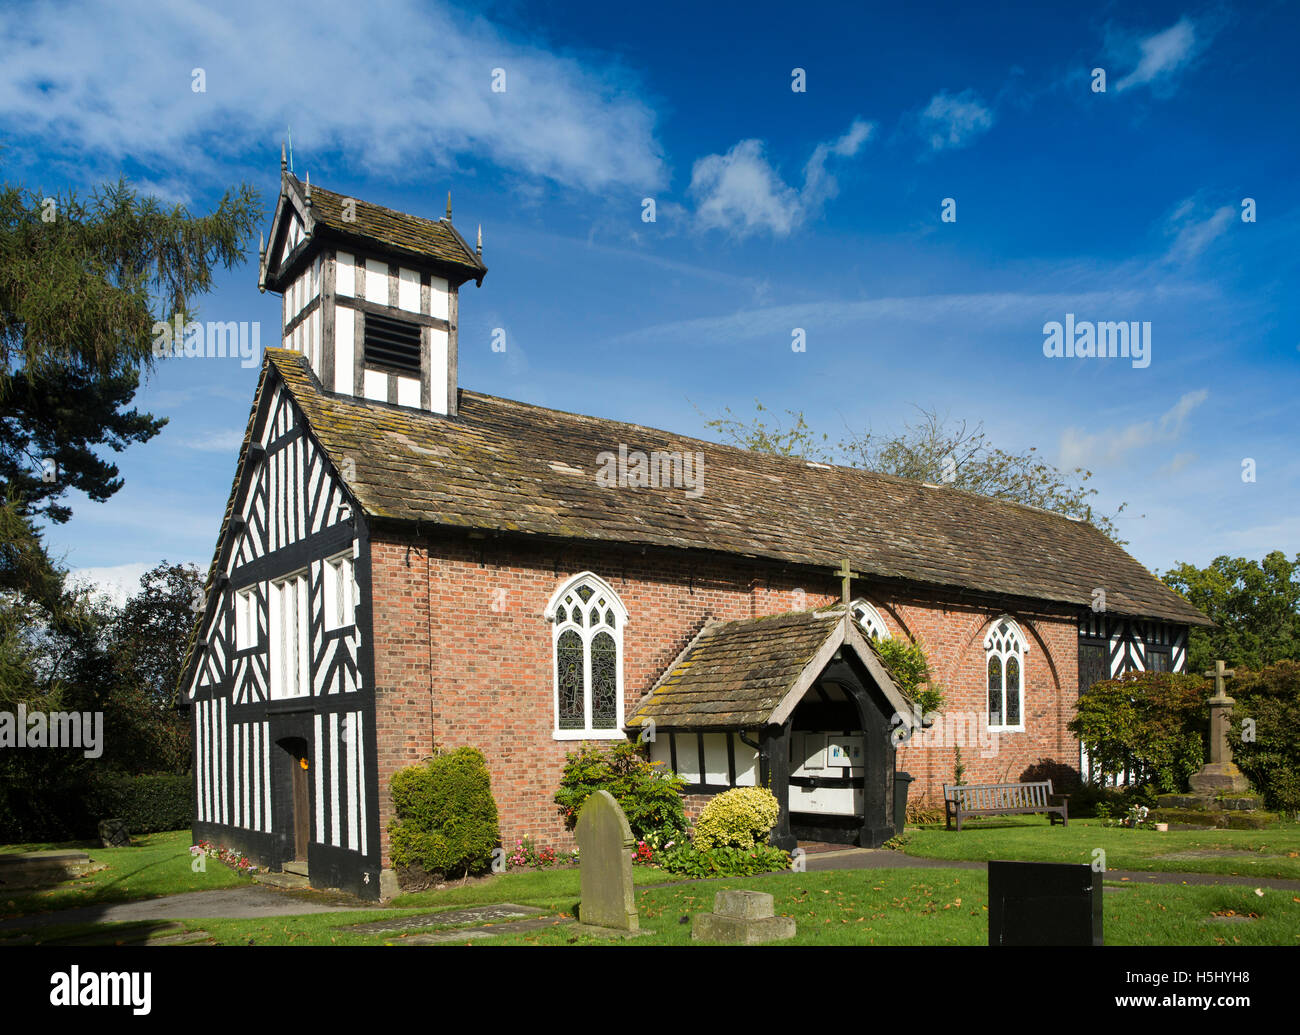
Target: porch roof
(751,673)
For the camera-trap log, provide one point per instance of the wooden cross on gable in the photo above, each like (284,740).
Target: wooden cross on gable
(1219,673)
(847,576)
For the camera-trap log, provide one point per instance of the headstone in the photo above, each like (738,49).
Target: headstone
(1044,904)
(742,918)
(113,833)
(1220,773)
(605,847)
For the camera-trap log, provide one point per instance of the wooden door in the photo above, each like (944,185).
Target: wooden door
(301,809)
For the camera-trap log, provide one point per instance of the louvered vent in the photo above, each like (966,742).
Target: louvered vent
(392,344)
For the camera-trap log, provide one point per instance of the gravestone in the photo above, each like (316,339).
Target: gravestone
(1044,904)
(742,918)
(605,846)
(114,834)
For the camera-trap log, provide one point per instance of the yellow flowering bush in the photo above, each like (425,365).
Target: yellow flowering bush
(738,818)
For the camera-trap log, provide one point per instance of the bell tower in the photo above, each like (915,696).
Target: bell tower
(370,295)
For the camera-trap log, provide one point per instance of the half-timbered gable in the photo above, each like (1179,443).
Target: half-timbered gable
(279,652)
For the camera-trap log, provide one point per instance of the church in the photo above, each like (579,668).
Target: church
(406,566)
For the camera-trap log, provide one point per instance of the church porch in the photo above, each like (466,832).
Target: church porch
(799,703)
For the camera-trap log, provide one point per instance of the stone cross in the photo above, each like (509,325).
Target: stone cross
(1219,673)
(1220,774)
(1220,717)
(846,577)
(605,858)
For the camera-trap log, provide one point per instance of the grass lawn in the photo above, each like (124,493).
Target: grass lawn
(842,907)
(1250,853)
(156,864)
(950,907)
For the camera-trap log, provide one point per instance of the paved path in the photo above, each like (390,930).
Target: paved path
(251,903)
(884,859)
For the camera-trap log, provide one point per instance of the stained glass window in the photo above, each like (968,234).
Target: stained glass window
(1005,649)
(569,679)
(604,682)
(995,691)
(588,619)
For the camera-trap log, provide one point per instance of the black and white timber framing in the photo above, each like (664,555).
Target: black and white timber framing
(1111,646)
(291,514)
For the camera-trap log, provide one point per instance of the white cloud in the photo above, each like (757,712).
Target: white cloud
(1014,311)
(225,441)
(399,86)
(742,193)
(1081,449)
(1180,461)
(116,582)
(954,120)
(1192,232)
(1160,55)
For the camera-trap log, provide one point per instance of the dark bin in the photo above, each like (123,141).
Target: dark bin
(901,783)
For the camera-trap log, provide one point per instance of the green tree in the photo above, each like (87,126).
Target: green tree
(1255,606)
(1153,722)
(1270,753)
(931,449)
(150,635)
(82,283)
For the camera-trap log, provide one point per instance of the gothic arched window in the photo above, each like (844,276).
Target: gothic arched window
(587,620)
(869,618)
(1004,664)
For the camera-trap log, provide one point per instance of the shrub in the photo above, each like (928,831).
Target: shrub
(446,817)
(1065,777)
(1270,697)
(738,818)
(147,804)
(910,671)
(1154,722)
(650,796)
(922,812)
(37,804)
(724,861)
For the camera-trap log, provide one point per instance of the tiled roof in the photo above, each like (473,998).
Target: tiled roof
(510,467)
(433,239)
(738,675)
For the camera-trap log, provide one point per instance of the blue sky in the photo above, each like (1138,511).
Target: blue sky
(775,210)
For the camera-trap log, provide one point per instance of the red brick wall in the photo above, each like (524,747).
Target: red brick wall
(953,636)
(463,656)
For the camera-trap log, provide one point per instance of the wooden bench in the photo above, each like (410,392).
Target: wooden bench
(1004,799)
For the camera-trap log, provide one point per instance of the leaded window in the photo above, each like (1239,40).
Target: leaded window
(1004,665)
(587,619)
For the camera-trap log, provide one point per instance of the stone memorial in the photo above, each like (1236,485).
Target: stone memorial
(114,834)
(605,845)
(742,918)
(1220,774)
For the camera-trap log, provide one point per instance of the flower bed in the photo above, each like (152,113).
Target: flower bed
(235,860)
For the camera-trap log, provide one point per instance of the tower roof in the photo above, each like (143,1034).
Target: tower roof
(327,215)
